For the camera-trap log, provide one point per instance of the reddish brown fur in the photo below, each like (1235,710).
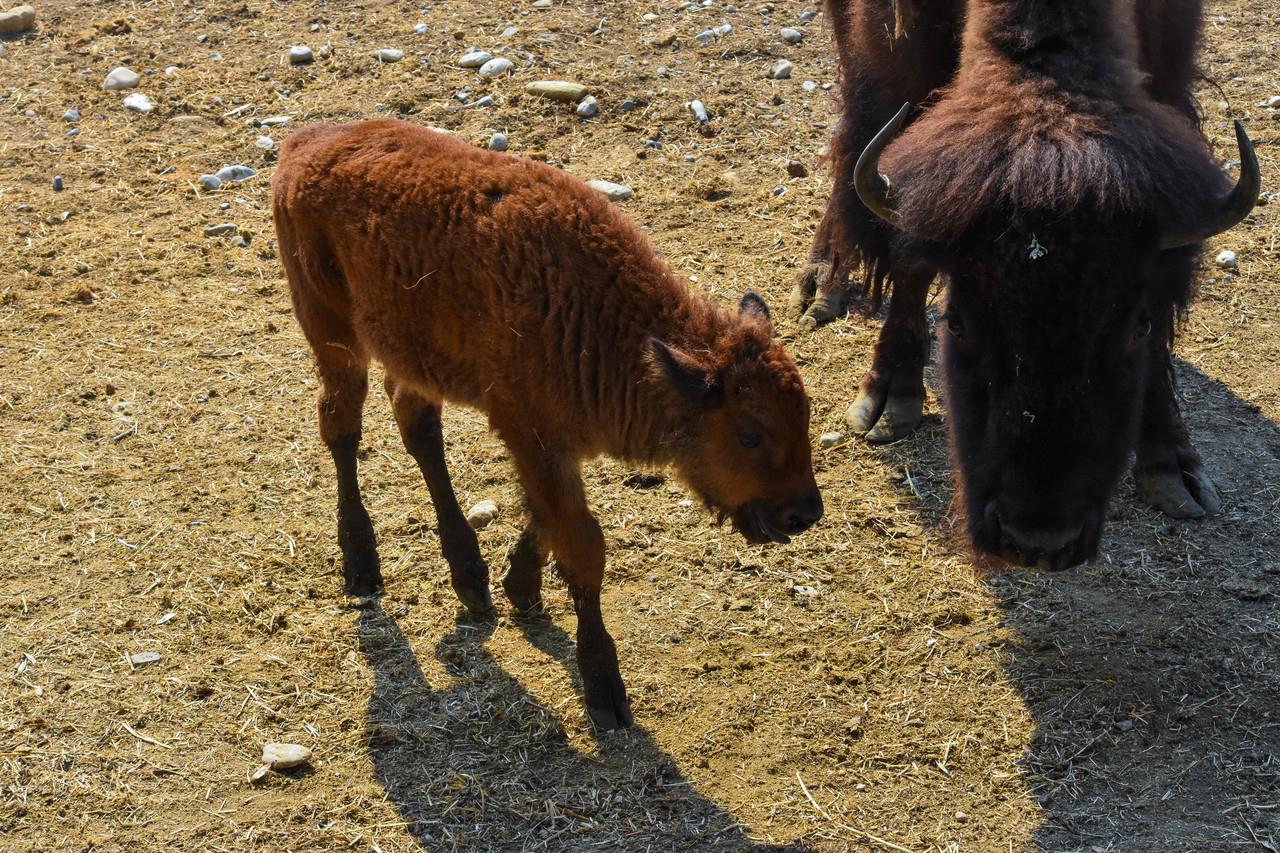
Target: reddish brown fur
(511,287)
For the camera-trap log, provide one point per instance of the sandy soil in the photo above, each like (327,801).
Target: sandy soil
(164,491)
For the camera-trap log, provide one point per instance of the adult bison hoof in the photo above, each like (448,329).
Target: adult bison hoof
(361,570)
(1186,493)
(471,585)
(523,597)
(882,417)
(361,575)
(816,299)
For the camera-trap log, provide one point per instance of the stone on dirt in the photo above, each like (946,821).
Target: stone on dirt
(781,70)
(557,90)
(615,192)
(482,514)
(19,19)
(282,756)
(300,54)
(474,58)
(121,78)
(138,103)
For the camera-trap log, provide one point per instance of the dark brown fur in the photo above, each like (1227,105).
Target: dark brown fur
(1054,144)
(511,287)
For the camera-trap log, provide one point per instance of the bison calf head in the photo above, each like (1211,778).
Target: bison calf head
(745,435)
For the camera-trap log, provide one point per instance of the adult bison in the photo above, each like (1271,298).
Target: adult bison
(1054,175)
(509,286)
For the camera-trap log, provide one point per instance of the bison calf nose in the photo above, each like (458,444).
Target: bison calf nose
(1051,543)
(804,513)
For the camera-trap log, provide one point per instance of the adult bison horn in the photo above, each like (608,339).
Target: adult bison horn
(1235,206)
(873,187)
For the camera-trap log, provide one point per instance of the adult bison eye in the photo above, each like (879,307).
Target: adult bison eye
(750,440)
(1143,329)
(954,325)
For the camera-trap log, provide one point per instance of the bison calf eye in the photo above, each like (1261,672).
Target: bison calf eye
(954,325)
(1143,329)
(750,440)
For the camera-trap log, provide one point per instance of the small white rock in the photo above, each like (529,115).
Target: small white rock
(791,35)
(420,30)
(723,30)
(172,69)
(138,103)
(1274,102)
(588,107)
(509,32)
(542,4)
(71,115)
(497,66)
(498,142)
(809,86)
(781,70)
(265,142)
(121,78)
(390,54)
(474,58)
(1226,259)
(615,192)
(482,514)
(706,37)
(830,439)
(144,658)
(300,54)
(238,172)
(699,111)
(282,756)
(210,182)
(275,121)
(649,17)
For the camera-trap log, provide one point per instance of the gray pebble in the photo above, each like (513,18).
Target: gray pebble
(57,183)
(486,101)
(390,54)
(138,103)
(781,70)
(791,35)
(542,4)
(663,71)
(238,172)
(588,107)
(226,205)
(809,86)
(202,38)
(497,66)
(420,30)
(474,58)
(615,192)
(706,37)
(1226,259)
(699,111)
(210,182)
(72,114)
(830,439)
(498,142)
(723,30)
(120,78)
(274,121)
(300,54)
(509,32)
(240,241)
(265,142)
(808,15)
(1125,725)
(220,230)
(75,131)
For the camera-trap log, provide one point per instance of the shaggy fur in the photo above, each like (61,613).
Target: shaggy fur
(1054,146)
(508,286)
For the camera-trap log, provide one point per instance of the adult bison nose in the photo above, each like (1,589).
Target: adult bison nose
(1049,542)
(803,514)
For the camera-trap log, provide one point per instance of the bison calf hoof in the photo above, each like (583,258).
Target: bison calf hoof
(607,704)
(361,573)
(472,588)
(523,598)
(1178,494)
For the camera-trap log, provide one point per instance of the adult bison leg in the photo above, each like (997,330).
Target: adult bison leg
(821,291)
(523,580)
(890,400)
(1168,471)
(344,384)
(553,485)
(419,422)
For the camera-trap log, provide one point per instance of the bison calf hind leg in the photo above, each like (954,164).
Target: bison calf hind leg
(523,580)
(420,427)
(361,573)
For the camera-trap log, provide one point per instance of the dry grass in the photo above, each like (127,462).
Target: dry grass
(166,493)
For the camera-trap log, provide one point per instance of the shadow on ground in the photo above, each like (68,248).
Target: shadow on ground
(472,768)
(1151,673)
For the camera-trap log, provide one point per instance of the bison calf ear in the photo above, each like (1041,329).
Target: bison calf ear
(692,380)
(752,304)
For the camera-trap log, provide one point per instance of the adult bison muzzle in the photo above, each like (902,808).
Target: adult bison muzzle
(1062,195)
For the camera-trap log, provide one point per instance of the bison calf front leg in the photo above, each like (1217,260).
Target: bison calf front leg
(553,485)
(523,580)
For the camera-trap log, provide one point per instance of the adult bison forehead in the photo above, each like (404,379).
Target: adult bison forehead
(967,161)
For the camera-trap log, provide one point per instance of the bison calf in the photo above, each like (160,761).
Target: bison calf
(506,285)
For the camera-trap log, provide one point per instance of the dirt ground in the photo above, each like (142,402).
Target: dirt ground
(165,491)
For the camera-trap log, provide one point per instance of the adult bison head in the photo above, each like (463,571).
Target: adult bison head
(743,443)
(1066,241)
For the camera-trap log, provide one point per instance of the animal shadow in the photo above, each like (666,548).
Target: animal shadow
(1151,671)
(482,765)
